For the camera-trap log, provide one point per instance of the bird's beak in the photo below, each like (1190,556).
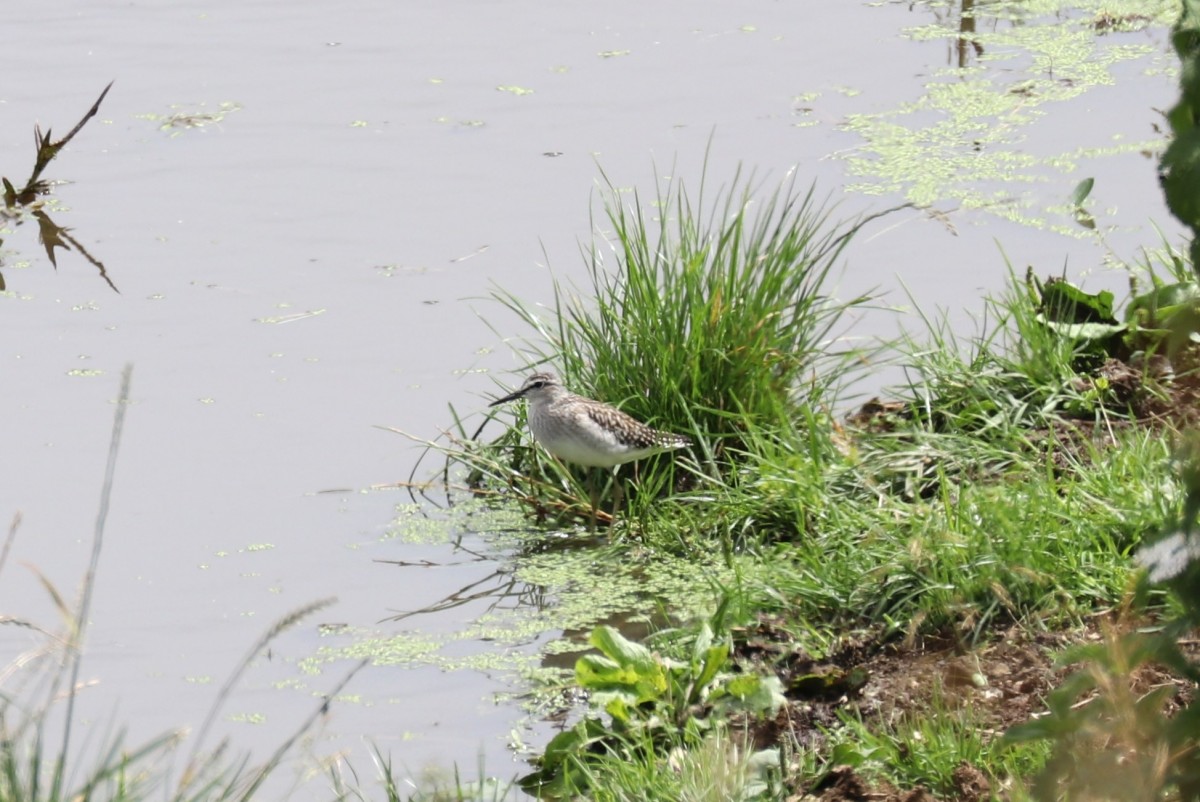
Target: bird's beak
(510,397)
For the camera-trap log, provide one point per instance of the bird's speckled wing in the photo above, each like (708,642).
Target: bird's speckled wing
(632,433)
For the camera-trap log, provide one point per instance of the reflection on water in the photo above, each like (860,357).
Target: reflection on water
(499,590)
(966,20)
(967,45)
(21,204)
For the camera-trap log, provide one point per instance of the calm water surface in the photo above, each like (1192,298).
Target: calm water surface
(311,264)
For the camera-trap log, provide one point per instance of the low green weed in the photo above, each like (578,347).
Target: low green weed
(654,704)
(936,749)
(1124,725)
(1117,727)
(959,548)
(715,767)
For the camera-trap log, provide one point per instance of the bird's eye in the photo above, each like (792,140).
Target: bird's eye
(537,385)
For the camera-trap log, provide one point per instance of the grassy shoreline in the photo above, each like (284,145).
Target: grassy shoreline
(1000,496)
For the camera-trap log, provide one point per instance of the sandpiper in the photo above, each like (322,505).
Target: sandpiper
(584,431)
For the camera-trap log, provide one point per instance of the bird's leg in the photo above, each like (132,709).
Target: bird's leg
(617,494)
(594,498)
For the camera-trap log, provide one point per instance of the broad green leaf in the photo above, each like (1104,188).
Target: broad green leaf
(1039,729)
(1152,306)
(846,754)
(1085,331)
(714,660)
(703,641)
(760,694)
(652,683)
(1082,190)
(572,740)
(617,647)
(596,672)
(618,708)
(1063,302)
(768,697)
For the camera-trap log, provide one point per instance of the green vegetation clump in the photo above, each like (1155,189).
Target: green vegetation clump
(999,496)
(1111,736)
(1005,487)
(706,315)
(1181,161)
(711,319)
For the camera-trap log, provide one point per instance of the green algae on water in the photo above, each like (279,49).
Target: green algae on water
(965,140)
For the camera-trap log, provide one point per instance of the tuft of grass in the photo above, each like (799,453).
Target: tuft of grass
(702,316)
(708,315)
(720,766)
(930,749)
(933,548)
(1016,375)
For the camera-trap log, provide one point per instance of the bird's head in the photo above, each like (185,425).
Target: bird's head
(544,384)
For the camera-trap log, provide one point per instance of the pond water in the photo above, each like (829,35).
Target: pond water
(303,206)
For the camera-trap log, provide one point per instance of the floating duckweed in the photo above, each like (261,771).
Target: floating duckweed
(970,128)
(392,650)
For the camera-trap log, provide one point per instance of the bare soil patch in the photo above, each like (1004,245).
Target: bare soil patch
(1002,682)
